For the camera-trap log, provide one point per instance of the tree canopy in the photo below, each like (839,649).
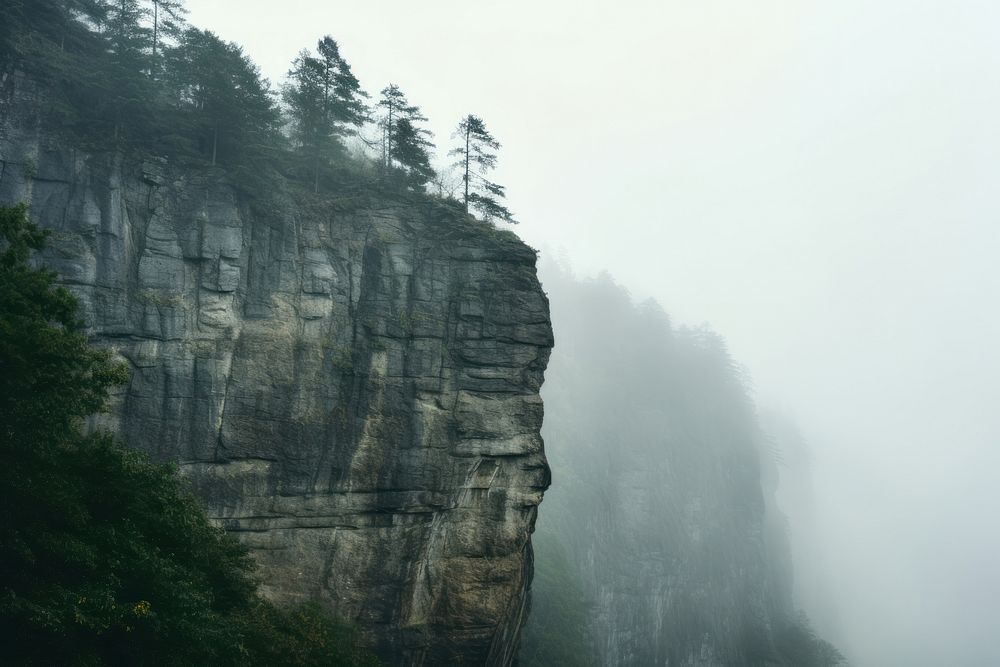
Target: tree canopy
(226,107)
(325,102)
(132,75)
(476,158)
(406,145)
(167,19)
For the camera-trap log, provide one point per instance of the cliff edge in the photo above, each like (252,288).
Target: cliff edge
(350,384)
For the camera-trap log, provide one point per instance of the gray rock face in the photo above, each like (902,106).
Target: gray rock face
(353,390)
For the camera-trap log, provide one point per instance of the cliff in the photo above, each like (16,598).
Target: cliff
(350,384)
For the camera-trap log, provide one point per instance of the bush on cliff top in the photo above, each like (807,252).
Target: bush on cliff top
(104,557)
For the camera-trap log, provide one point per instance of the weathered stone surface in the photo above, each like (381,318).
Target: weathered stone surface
(354,393)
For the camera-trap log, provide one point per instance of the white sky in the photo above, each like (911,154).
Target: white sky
(817,180)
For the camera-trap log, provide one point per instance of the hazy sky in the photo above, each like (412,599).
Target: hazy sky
(817,180)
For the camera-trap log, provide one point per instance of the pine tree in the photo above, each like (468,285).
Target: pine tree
(32,29)
(128,95)
(343,102)
(394,106)
(303,97)
(475,159)
(129,38)
(167,17)
(325,102)
(412,150)
(229,106)
(405,145)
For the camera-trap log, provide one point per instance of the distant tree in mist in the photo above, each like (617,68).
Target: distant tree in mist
(796,645)
(657,497)
(476,157)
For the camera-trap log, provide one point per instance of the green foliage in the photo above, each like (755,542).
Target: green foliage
(127,74)
(166,20)
(413,151)
(325,102)
(50,378)
(405,145)
(31,29)
(222,102)
(107,561)
(127,102)
(305,636)
(476,158)
(131,76)
(105,558)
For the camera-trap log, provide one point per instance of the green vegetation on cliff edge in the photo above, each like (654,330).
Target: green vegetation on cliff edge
(131,76)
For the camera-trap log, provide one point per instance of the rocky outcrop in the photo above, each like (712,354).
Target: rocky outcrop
(351,387)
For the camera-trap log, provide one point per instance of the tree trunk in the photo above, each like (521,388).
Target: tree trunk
(385,152)
(467,130)
(316,172)
(156,26)
(388,141)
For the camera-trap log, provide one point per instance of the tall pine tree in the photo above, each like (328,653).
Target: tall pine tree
(412,147)
(405,145)
(128,94)
(167,20)
(325,102)
(476,157)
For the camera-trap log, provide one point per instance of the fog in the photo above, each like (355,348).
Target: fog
(814,180)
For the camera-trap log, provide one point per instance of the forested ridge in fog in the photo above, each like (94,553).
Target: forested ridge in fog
(659,541)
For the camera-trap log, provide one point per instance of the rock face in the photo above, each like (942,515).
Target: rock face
(351,388)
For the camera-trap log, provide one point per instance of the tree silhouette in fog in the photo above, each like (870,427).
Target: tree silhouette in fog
(476,158)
